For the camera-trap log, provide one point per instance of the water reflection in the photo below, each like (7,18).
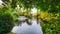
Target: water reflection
(28,27)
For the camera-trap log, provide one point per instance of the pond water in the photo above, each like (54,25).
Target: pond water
(25,28)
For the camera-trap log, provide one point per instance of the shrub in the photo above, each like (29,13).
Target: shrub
(6,21)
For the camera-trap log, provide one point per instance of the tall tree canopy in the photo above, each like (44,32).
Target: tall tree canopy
(50,5)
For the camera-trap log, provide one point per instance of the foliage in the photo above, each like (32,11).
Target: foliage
(51,23)
(50,5)
(6,20)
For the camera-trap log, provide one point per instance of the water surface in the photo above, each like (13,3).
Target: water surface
(25,28)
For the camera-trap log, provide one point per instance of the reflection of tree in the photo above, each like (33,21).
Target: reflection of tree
(28,21)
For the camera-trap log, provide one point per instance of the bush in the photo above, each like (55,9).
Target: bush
(6,21)
(51,24)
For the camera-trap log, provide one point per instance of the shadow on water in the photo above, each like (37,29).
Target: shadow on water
(27,26)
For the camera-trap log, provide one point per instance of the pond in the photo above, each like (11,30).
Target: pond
(31,27)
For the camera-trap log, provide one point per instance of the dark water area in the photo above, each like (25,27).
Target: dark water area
(25,28)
